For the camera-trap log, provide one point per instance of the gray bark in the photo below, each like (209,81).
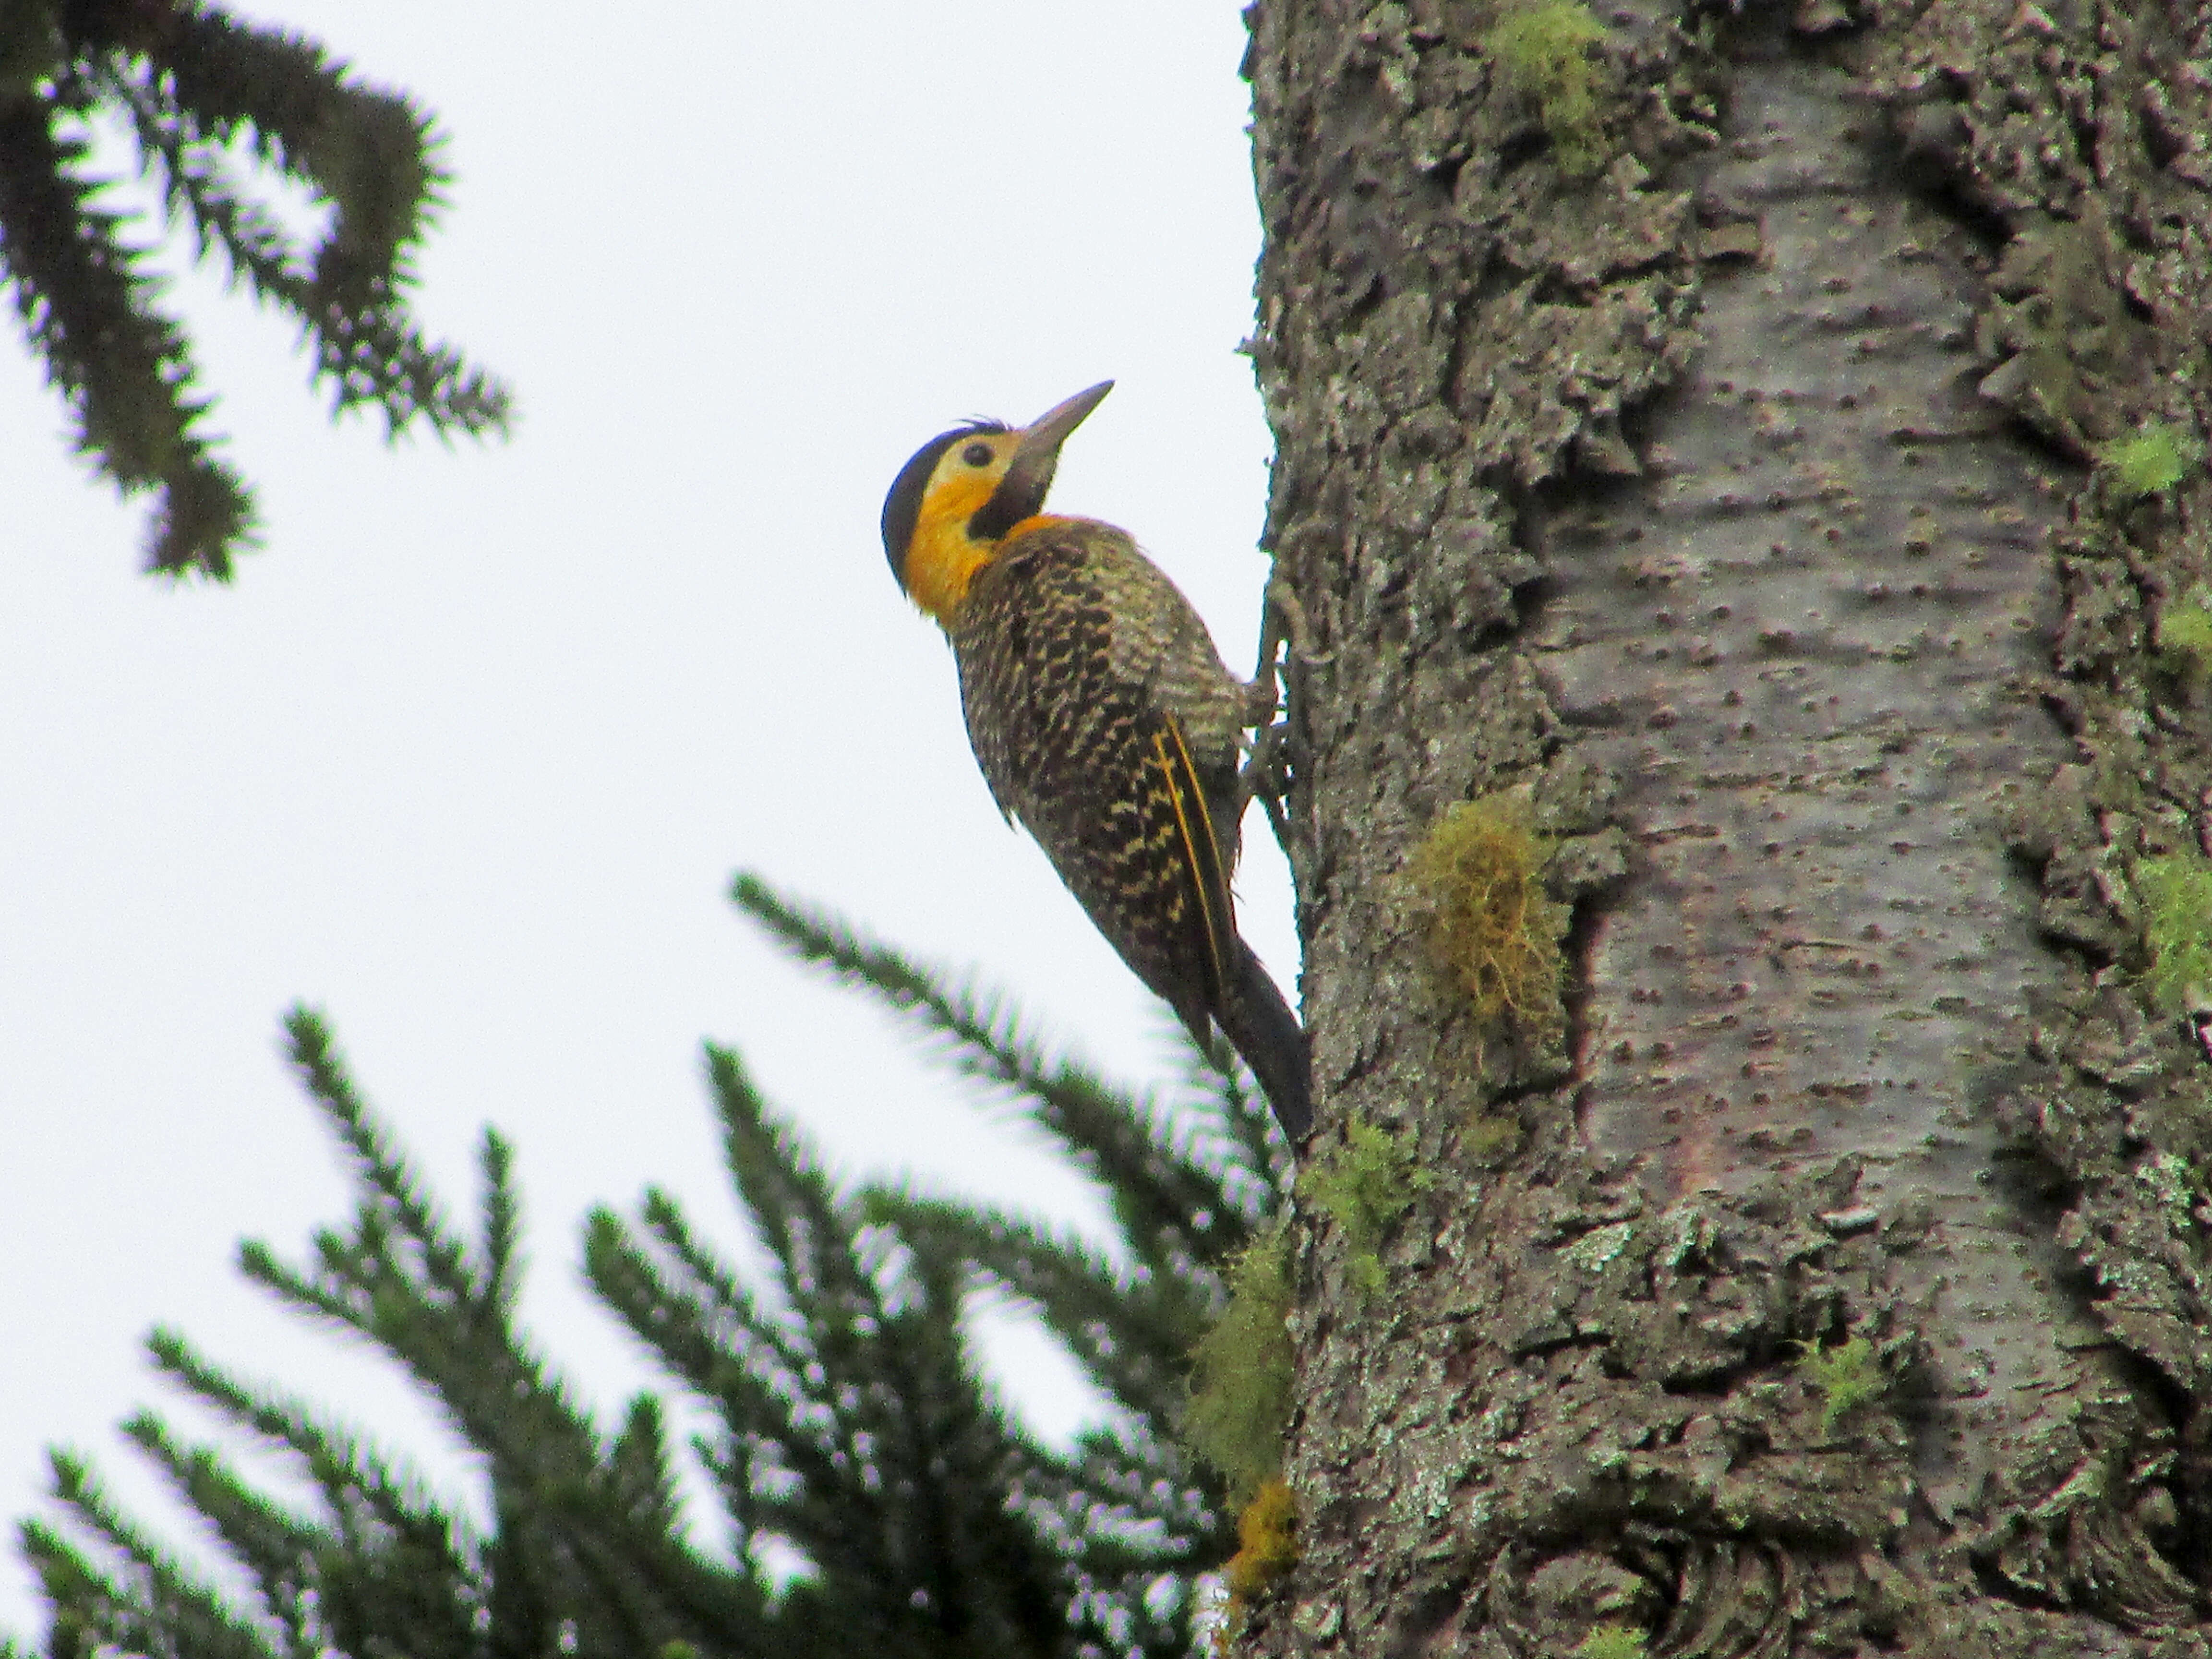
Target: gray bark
(1734,504)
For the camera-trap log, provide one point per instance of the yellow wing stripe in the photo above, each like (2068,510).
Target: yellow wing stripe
(1200,851)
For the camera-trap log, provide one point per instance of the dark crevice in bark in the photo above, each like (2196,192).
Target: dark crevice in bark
(1574,951)
(1993,1584)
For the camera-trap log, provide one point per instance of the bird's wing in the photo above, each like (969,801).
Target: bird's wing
(1200,850)
(1098,771)
(1159,642)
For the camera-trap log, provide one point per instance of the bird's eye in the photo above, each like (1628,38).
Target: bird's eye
(977,454)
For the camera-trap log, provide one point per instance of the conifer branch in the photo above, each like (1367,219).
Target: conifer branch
(200,188)
(395,1217)
(359,1487)
(640,1475)
(366,351)
(265,1537)
(156,1600)
(502,1226)
(1166,1184)
(198,88)
(123,368)
(1139,1473)
(855,1427)
(369,152)
(706,1332)
(1230,1129)
(325,1585)
(852,1423)
(1132,1331)
(408,1282)
(796,1211)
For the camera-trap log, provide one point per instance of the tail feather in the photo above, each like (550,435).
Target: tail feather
(1268,1034)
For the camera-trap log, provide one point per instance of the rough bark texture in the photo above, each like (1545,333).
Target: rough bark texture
(1734,503)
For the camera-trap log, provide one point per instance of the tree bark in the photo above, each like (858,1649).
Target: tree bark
(1732,502)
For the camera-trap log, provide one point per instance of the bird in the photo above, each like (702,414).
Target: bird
(1103,721)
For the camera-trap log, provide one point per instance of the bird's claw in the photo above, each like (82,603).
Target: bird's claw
(1265,776)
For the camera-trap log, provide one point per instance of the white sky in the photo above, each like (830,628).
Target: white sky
(468,752)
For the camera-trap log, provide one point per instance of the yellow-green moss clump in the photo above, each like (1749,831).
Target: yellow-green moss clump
(1240,1393)
(1488,1140)
(1542,49)
(1267,1547)
(1268,1541)
(1495,930)
(1613,1642)
(2177,901)
(1364,1186)
(2185,634)
(1847,1375)
(2156,458)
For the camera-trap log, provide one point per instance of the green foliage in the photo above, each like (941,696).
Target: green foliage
(1192,1183)
(218,111)
(585,1553)
(848,1411)
(1364,1185)
(1613,1642)
(846,1426)
(1479,875)
(1196,1174)
(2155,460)
(1240,1389)
(1542,49)
(1848,1375)
(2176,895)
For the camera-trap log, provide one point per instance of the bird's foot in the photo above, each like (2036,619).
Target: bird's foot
(1266,775)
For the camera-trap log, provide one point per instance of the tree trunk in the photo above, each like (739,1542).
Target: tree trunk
(1713,469)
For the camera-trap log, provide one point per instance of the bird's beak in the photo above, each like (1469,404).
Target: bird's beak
(1049,431)
(1028,478)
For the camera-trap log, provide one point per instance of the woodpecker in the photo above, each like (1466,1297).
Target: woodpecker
(1102,719)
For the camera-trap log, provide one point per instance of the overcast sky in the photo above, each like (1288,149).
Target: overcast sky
(468,752)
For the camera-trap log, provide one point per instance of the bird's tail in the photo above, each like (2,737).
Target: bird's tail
(1268,1034)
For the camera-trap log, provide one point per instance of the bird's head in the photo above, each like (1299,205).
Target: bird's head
(965,491)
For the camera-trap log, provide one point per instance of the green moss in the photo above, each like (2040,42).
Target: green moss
(1848,1375)
(2177,899)
(2156,458)
(2185,634)
(1268,1543)
(1364,1185)
(1240,1396)
(1493,929)
(1613,1642)
(1542,49)
(1489,1141)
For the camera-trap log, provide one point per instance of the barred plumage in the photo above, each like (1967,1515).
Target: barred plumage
(1103,719)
